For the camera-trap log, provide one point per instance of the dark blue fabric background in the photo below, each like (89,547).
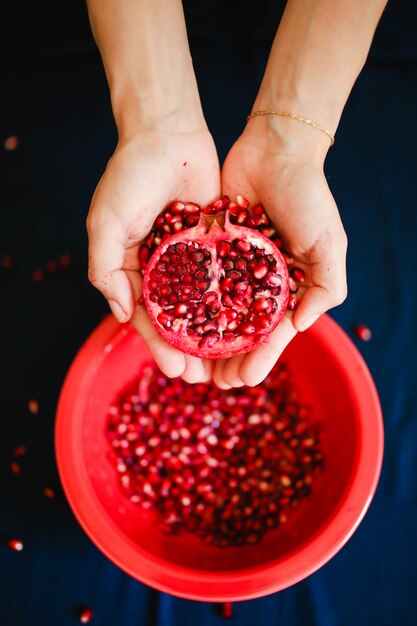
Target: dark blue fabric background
(54,97)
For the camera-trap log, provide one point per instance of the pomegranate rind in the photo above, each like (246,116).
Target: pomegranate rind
(208,240)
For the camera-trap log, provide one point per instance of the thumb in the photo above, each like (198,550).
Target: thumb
(106,255)
(328,290)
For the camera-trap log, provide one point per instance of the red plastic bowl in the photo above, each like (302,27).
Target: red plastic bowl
(337,383)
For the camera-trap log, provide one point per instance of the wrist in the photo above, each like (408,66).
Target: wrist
(288,136)
(156,105)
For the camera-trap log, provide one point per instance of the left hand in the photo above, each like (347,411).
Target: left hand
(288,179)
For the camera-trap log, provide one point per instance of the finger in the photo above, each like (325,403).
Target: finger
(218,372)
(105,262)
(169,360)
(316,301)
(329,290)
(257,364)
(208,370)
(195,371)
(229,370)
(328,277)
(218,375)
(223,385)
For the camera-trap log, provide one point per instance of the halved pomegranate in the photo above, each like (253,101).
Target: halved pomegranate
(217,289)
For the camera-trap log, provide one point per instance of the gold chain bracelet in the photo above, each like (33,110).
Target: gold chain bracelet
(293,116)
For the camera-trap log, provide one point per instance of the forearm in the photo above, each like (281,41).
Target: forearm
(318,52)
(144,47)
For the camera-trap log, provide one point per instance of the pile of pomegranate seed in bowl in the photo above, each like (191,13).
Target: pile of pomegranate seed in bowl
(225,465)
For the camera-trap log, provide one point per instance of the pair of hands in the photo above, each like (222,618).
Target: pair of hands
(147,172)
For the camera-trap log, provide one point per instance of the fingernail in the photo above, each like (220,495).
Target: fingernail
(308,322)
(117,311)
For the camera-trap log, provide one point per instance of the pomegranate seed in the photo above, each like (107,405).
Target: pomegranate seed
(19,451)
(85,615)
(191,208)
(64,261)
(269,232)
(218,205)
(226,610)
(173,219)
(244,246)
(258,209)
(15,544)
(242,202)
(52,266)
(260,271)
(210,339)
(288,259)
(253,221)
(49,493)
(292,302)
(33,406)
(362,332)
(293,286)
(297,274)
(242,216)
(274,279)
(37,276)
(11,143)
(223,249)
(6,262)
(144,256)
(15,468)
(177,207)
(247,329)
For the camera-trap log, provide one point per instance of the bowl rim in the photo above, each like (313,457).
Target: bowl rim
(238,585)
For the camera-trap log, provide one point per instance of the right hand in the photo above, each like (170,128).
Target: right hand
(148,170)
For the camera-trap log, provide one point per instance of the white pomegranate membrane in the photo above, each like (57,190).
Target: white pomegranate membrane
(218,288)
(225,465)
